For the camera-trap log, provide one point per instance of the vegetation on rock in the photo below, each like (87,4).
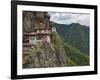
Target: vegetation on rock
(46,55)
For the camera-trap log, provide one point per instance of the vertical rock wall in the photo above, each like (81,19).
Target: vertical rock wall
(45,54)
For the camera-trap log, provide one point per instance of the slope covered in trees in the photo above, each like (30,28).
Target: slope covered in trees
(76,35)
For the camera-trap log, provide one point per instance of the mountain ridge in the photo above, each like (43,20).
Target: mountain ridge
(75,34)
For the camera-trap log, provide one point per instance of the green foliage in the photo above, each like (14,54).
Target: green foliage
(75,34)
(70,62)
(57,40)
(75,55)
(58,43)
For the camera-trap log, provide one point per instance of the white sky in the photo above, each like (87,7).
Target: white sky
(68,18)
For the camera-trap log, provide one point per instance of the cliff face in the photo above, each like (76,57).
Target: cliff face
(44,54)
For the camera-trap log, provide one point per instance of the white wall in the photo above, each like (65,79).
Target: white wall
(5,29)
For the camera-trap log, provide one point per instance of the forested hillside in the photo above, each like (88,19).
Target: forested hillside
(76,35)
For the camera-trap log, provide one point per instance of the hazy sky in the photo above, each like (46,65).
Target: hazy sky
(68,18)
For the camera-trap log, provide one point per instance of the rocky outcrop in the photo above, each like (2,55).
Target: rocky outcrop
(44,55)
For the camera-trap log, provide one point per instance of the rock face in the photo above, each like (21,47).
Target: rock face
(43,54)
